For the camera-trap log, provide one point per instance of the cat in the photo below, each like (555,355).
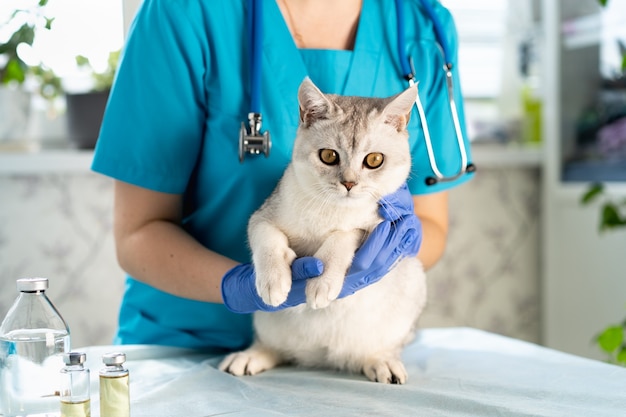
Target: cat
(349,152)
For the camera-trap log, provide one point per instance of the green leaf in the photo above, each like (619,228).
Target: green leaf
(624,63)
(15,70)
(603,2)
(611,217)
(621,356)
(5,48)
(82,61)
(25,34)
(49,21)
(611,338)
(593,191)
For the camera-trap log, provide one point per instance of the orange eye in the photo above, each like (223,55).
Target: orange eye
(374,160)
(329,157)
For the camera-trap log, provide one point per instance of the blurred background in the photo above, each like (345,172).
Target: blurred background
(545,97)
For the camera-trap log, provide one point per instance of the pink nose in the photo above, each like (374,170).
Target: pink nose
(348,185)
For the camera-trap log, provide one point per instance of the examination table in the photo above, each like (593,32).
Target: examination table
(452,372)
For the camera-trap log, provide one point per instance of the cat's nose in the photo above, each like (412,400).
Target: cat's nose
(349,184)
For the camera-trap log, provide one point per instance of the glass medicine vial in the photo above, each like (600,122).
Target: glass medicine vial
(75,398)
(33,339)
(114,386)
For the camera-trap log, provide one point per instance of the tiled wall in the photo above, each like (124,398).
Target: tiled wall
(59,226)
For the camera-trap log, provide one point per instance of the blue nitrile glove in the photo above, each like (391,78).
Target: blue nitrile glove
(239,289)
(399,235)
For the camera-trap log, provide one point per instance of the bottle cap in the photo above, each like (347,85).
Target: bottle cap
(32,284)
(74,358)
(115,358)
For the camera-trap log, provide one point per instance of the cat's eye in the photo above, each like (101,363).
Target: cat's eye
(374,160)
(329,157)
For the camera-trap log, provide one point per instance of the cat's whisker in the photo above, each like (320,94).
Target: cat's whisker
(390,210)
(325,200)
(317,203)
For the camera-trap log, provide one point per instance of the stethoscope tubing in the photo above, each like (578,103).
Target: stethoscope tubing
(255,50)
(253,141)
(408,70)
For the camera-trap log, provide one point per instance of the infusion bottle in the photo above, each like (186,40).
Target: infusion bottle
(75,398)
(33,339)
(114,386)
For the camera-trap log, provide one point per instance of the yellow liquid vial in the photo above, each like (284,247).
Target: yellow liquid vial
(114,396)
(81,409)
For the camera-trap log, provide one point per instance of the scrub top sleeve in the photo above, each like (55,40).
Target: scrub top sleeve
(434,95)
(153,125)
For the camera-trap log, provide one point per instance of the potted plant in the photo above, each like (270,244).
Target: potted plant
(612,339)
(85,110)
(611,135)
(23,24)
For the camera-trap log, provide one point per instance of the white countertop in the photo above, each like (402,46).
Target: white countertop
(485,155)
(40,162)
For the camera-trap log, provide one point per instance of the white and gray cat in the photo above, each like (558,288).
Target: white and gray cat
(349,152)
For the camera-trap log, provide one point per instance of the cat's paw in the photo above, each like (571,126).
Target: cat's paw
(273,277)
(321,291)
(386,371)
(249,362)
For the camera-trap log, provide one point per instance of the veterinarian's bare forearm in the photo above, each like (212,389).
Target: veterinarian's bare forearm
(153,248)
(433,243)
(164,256)
(432,209)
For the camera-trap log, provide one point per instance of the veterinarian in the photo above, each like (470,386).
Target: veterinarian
(190,73)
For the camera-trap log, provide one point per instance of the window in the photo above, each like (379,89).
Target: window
(92,28)
(481,28)
(491,36)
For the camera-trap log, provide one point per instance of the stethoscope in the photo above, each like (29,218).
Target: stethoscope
(252,141)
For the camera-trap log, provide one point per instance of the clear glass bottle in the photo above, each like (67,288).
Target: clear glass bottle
(75,394)
(114,386)
(33,338)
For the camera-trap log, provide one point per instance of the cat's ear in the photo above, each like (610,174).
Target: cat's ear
(313,104)
(398,111)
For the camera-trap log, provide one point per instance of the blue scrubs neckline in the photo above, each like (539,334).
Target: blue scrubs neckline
(317,61)
(278,44)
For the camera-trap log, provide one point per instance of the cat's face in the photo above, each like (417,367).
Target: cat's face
(352,148)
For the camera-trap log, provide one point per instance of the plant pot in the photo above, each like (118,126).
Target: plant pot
(84,117)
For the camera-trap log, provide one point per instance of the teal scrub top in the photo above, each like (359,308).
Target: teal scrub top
(173,118)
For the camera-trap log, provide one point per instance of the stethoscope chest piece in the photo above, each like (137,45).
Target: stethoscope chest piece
(251,140)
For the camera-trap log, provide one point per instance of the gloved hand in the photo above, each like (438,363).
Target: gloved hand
(239,289)
(399,235)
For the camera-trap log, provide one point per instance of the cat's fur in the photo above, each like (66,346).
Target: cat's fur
(326,211)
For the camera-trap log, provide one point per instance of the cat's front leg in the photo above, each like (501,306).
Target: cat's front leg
(336,253)
(272,258)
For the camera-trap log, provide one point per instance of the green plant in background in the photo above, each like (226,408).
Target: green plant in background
(610,340)
(13,69)
(612,212)
(102,80)
(49,84)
